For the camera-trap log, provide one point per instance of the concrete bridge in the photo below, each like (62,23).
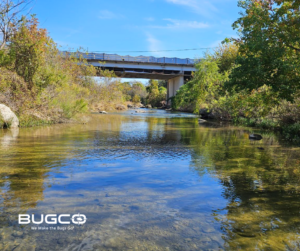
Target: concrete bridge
(175,70)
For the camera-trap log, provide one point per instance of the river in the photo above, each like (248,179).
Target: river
(149,181)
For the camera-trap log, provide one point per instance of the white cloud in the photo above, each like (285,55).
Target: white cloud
(106,14)
(154,45)
(179,24)
(202,7)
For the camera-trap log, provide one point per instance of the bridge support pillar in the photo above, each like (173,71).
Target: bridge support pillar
(173,86)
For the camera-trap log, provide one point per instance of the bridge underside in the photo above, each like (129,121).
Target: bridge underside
(148,73)
(175,74)
(175,79)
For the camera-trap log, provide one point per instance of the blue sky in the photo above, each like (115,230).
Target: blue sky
(138,25)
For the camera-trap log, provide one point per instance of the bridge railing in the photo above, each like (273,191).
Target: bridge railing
(141,59)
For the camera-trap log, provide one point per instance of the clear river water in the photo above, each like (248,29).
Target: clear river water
(149,181)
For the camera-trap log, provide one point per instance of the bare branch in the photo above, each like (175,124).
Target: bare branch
(10,16)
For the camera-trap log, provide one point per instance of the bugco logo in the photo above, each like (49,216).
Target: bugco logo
(64,219)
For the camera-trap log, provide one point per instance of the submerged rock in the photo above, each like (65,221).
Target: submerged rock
(255,137)
(7,117)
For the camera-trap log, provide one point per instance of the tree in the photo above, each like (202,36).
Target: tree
(136,99)
(269,47)
(10,19)
(225,55)
(156,93)
(163,83)
(205,86)
(28,48)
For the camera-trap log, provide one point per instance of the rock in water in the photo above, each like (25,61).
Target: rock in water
(120,107)
(255,137)
(205,114)
(103,112)
(7,117)
(200,121)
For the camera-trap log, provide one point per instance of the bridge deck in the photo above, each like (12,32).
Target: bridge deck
(138,59)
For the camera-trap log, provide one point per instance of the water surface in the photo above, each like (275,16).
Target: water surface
(153,181)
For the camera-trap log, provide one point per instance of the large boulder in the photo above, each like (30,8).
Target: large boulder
(7,117)
(206,114)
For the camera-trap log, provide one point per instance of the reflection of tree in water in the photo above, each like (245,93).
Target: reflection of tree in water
(259,178)
(26,158)
(260,184)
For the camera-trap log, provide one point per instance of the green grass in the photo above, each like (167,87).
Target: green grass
(29,121)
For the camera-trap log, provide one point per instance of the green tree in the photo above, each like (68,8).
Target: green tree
(156,93)
(205,86)
(28,48)
(225,55)
(269,47)
(136,99)
(163,83)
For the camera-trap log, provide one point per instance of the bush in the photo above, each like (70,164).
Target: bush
(156,94)
(136,99)
(256,105)
(205,86)
(289,112)
(292,132)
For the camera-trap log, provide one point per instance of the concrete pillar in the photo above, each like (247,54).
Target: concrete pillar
(173,86)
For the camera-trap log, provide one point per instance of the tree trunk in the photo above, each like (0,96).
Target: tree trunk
(2,46)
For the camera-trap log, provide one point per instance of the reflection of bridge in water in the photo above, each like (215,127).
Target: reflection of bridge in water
(175,70)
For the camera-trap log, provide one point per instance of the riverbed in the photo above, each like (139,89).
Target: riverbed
(149,181)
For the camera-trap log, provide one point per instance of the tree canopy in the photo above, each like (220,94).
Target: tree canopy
(269,47)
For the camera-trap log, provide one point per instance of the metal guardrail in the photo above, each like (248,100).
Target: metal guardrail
(138,59)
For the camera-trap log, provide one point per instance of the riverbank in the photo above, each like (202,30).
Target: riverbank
(43,85)
(289,132)
(212,93)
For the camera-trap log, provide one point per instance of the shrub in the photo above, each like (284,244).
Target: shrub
(136,99)
(256,105)
(156,93)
